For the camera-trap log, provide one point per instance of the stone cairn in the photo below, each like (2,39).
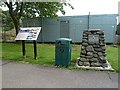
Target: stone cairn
(93,49)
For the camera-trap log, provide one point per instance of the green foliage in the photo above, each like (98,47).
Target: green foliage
(7,22)
(46,54)
(32,9)
(0,14)
(43,9)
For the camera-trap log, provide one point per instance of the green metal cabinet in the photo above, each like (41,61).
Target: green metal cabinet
(63,51)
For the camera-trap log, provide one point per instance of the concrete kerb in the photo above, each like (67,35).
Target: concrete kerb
(0,74)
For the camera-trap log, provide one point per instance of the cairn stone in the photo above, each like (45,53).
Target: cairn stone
(89,48)
(80,63)
(94,60)
(82,47)
(90,54)
(95,55)
(83,51)
(100,53)
(84,59)
(86,63)
(93,49)
(95,64)
(84,44)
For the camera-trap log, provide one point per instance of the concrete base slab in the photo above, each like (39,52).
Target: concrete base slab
(109,68)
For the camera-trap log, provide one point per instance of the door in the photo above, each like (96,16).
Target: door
(64,29)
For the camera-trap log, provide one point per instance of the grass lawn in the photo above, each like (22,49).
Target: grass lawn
(46,54)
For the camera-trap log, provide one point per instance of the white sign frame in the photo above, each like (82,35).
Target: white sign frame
(28,33)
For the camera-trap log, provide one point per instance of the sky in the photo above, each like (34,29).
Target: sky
(83,7)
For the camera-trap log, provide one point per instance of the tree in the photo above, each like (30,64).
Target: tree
(32,9)
(0,17)
(7,23)
(0,14)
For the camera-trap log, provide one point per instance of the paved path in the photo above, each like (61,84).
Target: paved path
(0,74)
(18,75)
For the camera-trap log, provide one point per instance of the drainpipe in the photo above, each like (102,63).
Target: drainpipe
(89,21)
(42,36)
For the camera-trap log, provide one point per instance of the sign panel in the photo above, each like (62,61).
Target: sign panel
(29,33)
(93,38)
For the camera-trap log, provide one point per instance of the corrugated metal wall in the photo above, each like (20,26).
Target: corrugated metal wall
(107,23)
(77,24)
(119,12)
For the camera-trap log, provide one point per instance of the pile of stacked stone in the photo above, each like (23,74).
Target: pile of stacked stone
(93,49)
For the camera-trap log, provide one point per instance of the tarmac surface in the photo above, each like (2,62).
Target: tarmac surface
(19,75)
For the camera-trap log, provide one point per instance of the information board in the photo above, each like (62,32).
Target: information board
(93,38)
(28,33)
